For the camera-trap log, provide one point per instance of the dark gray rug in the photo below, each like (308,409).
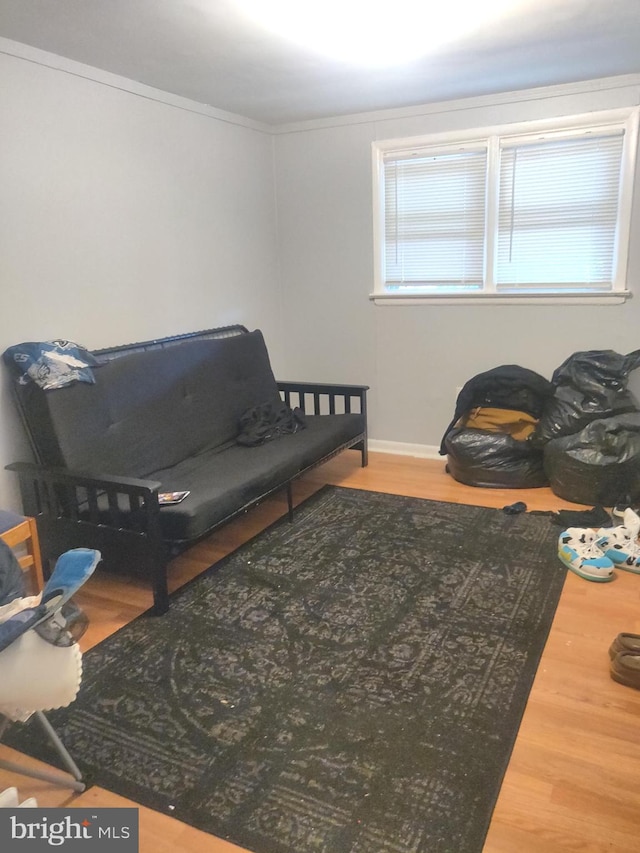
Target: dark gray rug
(349,683)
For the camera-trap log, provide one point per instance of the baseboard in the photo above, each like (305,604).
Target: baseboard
(400,448)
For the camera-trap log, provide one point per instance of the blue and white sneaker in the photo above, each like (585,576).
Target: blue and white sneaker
(631,520)
(620,544)
(620,509)
(578,549)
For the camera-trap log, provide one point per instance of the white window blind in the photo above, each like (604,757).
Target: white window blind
(525,212)
(434,208)
(558,213)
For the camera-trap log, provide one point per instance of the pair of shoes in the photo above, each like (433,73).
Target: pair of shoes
(628,643)
(593,555)
(625,660)
(625,669)
(620,544)
(578,549)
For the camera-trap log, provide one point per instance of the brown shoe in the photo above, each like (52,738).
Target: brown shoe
(625,643)
(625,669)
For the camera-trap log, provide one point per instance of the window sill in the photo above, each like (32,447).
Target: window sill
(395,299)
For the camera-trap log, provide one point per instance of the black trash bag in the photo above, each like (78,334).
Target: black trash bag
(600,465)
(588,386)
(493,460)
(506,387)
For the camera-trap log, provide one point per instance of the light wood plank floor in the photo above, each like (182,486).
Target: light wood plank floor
(573,783)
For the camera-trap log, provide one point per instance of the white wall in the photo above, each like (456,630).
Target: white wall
(124,218)
(414,357)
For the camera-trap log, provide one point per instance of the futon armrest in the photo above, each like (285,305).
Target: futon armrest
(318,398)
(121,502)
(81,478)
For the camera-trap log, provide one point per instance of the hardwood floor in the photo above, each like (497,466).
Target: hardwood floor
(573,782)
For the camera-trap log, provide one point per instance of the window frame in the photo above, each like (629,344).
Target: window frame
(491,136)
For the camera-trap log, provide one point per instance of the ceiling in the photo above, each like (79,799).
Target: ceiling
(211,52)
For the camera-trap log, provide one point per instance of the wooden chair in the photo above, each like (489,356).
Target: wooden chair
(21,532)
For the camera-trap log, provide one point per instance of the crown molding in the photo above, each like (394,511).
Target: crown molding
(558,91)
(124,84)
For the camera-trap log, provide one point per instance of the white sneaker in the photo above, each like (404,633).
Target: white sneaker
(580,552)
(631,520)
(620,509)
(620,544)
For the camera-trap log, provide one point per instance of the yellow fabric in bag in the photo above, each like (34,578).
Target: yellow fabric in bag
(518,425)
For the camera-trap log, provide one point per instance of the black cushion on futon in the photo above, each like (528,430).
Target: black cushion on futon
(150,410)
(223,482)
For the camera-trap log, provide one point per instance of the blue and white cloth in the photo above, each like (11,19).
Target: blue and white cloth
(51,364)
(72,569)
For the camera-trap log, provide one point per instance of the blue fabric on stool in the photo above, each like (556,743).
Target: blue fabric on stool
(71,571)
(12,584)
(20,623)
(9,519)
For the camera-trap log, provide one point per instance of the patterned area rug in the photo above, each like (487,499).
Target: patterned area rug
(349,683)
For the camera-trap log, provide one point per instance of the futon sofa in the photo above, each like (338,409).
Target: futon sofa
(165,416)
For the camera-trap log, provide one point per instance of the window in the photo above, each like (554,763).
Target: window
(435,220)
(538,211)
